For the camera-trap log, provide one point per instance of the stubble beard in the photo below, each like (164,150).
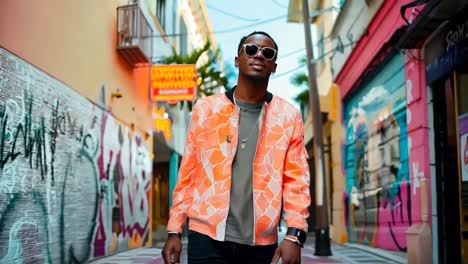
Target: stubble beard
(256,78)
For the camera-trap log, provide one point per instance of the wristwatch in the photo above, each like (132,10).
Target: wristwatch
(174,233)
(300,234)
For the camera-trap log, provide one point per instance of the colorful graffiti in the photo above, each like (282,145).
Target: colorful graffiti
(378,200)
(74,181)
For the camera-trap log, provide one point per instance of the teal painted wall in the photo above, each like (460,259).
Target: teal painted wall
(173,172)
(375,156)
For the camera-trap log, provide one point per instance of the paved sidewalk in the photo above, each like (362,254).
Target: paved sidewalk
(153,256)
(393,256)
(341,254)
(134,256)
(347,253)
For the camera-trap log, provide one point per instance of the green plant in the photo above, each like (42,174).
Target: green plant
(210,77)
(301,80)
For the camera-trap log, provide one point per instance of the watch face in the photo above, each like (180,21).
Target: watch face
(301,235)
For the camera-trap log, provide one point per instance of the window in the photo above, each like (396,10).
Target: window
(160,12)
(183,39)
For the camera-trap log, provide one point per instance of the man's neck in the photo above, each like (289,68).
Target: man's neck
(253,92)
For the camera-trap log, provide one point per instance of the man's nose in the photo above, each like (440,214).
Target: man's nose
(259,54)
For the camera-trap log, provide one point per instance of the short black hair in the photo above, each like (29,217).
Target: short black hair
(242,40)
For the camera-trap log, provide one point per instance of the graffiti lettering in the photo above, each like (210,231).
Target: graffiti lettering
(33,140)
(459,33)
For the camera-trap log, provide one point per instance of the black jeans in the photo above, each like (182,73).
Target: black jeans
(203,249)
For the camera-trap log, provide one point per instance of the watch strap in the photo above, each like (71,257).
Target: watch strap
(174,233)
(294,240)
(299,233)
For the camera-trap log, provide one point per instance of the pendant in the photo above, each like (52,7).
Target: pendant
(244,142)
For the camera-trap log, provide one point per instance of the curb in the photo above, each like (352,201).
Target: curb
(397,256)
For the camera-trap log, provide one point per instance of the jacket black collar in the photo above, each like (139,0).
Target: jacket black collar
(230,94)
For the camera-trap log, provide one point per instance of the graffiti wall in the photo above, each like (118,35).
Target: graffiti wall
(378,203)
(74,182)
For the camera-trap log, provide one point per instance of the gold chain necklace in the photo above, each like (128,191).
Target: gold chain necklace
(244,140)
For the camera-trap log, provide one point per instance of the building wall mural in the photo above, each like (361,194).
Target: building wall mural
(377,201)
(74,181)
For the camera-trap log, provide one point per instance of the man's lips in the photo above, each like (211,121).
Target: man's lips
(257,65)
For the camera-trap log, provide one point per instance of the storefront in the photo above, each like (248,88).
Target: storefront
(446,56)
(438,38)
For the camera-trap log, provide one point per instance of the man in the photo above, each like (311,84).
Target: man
(244,159)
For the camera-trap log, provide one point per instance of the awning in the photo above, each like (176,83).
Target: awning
(428,20)
(453,58)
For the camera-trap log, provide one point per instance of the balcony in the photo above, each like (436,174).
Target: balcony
(134,35)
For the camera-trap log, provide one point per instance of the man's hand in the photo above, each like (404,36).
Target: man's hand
(171,250)
(289,252)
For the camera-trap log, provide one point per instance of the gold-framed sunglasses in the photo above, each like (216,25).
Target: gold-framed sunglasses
(252,49)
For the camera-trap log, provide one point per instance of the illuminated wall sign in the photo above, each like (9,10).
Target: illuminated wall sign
(161,122)
(172,83)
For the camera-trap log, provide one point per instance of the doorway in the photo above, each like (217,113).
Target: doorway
(447,170)
(461,88)
(160,200)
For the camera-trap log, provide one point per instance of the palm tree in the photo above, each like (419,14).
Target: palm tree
(209,76)
(301,80)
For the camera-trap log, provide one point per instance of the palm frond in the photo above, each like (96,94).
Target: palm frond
(207,72)
(299,79)
(302,97)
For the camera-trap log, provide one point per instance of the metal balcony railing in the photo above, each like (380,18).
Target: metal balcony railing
(134,35)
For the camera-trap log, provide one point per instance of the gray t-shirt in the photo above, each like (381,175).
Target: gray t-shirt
(240,220)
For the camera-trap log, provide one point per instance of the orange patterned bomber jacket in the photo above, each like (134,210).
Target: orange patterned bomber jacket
(280,169)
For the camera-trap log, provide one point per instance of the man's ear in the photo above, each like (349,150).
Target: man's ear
(236,61)
(274,68)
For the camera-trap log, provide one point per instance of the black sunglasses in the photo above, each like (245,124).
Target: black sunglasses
(252,49)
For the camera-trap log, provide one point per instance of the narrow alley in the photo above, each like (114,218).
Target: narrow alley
(125,121)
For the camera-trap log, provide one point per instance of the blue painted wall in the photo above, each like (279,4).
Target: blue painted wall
(376,159)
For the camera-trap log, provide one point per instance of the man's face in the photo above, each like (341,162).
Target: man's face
(256,66)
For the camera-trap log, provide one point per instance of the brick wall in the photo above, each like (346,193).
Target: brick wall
(75,183)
